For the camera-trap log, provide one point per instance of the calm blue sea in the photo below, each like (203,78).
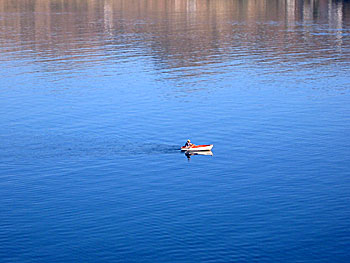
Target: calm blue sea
(96,98)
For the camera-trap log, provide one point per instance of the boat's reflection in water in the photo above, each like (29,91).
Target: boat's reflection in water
(191,153)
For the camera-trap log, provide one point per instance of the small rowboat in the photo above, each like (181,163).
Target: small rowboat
(197,148)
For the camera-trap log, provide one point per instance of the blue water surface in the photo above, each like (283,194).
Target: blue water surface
(95,105)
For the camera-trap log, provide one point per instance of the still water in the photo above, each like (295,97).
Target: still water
(96,97)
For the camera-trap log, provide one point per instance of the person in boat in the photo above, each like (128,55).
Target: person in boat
(188,143)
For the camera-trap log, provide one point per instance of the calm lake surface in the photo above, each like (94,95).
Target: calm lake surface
(96,97)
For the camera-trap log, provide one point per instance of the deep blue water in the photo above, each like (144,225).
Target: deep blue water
(97,98)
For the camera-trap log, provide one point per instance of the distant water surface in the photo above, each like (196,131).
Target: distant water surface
(96,98)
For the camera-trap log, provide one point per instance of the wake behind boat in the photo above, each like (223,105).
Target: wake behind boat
(206,147)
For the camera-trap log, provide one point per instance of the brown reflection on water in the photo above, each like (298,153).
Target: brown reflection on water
(177,33)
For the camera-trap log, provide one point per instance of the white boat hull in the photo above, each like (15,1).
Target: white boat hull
(198,148)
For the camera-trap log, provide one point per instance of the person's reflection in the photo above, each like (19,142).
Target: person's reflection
(188,155)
